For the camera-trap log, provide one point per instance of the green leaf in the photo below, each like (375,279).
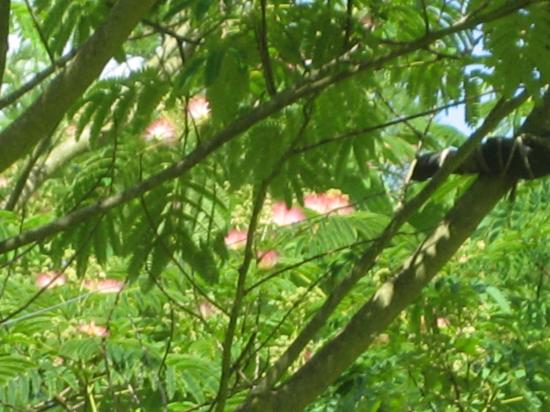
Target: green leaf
(499,298)
(13,366)
(213,66)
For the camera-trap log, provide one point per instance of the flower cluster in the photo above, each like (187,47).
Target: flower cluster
(332,201)
(161,130)
(104,285)
(50,279)
(198,108)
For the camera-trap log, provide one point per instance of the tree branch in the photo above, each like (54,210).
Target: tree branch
(393,296)
(43,116)
(368,259)
(387,302)
(4,32)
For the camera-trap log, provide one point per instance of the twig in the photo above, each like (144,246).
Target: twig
(40,33)
(425,17)
(357,132)
(165,30)
(263,48)
(33,298)
(36,80)
(4,33)
(25,173)
(349,24)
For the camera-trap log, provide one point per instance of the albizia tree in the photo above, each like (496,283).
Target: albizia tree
(207,205)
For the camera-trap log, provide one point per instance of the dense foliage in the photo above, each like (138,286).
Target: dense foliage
(233,184)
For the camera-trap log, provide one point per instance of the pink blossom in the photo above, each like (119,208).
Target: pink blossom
(162,130)
(267,259)
(104,285)
(283,216)
(50,280)
(236,239)
(443,323)
(198,108)
(4,182)
(332,200)
(207,310)
(91,329)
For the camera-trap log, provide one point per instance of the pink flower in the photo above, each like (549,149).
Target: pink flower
(236,239)
(268,259)
(4,182)
(443,323)
(104,286)
(207,310)
(91,329)
(283,216)
(50,280)
(198,108)
(162,130)
(332,200)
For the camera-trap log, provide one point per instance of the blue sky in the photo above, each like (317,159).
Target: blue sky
(455,117)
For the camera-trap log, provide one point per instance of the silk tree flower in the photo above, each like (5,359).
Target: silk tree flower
(283,216)
(207,310)
(91,329)
(267,259)
(161,130)
(4,182)
(236,239)
(50,280)
(198,108)
(442,322)
(104,285)
(332,200)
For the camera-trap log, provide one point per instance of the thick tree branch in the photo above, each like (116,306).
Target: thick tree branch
(368,259)
(314,377)
(42,117)
(4,32)
(317,83)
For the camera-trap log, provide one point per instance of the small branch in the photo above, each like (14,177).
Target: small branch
(263,48)
(153,226)
(349,24)
(40,33)
(406,122)
(425,17)
(357,132)
(25,174)
(4,33)
(36,80)
(304,261)
(6,319)
(169,32)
